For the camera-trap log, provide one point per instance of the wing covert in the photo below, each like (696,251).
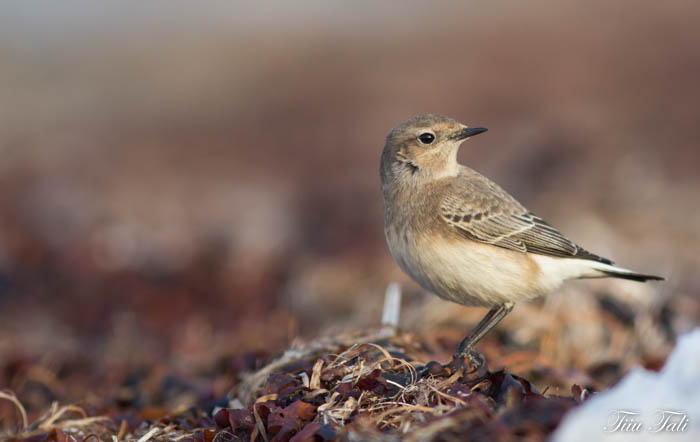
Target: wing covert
(498,219)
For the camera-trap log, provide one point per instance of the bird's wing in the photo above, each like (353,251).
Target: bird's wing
(482,211)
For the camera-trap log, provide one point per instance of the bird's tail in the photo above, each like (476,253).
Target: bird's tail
(618,272)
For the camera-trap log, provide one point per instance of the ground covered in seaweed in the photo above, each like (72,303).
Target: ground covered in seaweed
(376,386)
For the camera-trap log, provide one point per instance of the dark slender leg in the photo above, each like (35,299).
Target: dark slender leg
(492,318)
(476,330)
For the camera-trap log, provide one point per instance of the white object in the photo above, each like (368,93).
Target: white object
(392,306)
(645,405)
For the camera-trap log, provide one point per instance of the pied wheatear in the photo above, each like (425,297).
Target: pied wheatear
(462,237)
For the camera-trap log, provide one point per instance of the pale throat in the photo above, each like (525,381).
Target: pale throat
(446,165)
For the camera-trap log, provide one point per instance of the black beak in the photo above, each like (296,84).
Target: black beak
(470,132)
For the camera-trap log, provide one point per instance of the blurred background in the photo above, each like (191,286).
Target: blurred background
(187,189)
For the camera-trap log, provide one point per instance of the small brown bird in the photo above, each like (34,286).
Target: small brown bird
(462,237)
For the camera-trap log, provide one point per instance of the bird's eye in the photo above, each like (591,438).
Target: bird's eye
(426,138)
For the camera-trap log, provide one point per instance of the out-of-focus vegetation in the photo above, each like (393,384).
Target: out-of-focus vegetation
(186,190)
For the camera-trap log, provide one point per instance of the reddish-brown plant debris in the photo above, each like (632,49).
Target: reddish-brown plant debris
(351,387)
(379,390)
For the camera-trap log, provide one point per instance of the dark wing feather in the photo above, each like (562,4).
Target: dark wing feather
(484,212)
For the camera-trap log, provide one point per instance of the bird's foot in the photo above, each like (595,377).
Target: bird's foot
(476,362)
(477,366)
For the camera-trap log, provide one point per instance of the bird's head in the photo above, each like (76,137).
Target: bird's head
(425,147)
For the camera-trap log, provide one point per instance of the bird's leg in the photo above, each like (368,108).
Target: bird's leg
(489,321)
(466,347)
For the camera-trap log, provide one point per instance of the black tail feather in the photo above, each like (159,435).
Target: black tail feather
(639,277)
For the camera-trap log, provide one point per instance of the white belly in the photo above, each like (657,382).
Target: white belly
(468,272)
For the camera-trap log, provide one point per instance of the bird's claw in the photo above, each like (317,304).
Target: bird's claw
(477,362)
(477,366)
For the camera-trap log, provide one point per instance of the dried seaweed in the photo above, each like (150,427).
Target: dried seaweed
(350,387)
